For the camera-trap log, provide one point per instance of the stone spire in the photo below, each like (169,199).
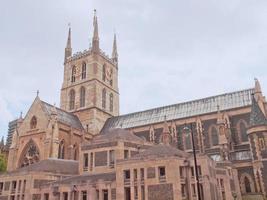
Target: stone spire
(95,41)
(114,50)
(68,49)
(256,115)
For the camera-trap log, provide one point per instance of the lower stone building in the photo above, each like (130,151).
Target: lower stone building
(119,165)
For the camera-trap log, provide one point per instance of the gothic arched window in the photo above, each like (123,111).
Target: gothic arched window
(214,138)
(72,100)
(73,74)
(61,150)
(83,70)
(187,141)
(247,185)
(75,152)
(111,102)
(242,131)
(104,73)
(104,94)
(30,156)
(82,97)
(33,122)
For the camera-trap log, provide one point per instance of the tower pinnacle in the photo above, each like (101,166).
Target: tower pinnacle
(95,42)
(114,50)
(68,49)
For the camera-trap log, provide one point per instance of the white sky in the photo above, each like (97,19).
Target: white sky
(169,51)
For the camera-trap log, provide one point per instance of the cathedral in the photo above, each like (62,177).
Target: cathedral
(213,148)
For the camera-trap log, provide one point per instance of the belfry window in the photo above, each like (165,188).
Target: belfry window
(82,97)
(83,70)
(72,100)
(104,73)
(73,74)
(111,102)
(33,122)
(104,94)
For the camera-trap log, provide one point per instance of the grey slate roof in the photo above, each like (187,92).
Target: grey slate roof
(182,110)
(63,116)
(256,115)
(67,167)
(92,178)
(115,134)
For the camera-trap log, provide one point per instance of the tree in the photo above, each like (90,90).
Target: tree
(3,163)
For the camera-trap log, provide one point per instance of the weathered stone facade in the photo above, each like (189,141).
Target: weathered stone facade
(86,150)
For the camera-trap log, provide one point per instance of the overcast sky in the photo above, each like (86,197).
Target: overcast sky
(169,51)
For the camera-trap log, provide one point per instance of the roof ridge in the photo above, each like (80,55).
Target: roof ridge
(185,102)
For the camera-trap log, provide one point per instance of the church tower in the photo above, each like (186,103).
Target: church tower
(90,85)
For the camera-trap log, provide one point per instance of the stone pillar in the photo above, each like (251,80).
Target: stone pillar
(70,195)
(101,194)
(92,193)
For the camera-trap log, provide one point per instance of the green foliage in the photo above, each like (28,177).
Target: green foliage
(3,163)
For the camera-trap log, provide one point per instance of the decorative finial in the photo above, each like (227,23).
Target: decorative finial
(257,86)
(37,93)
(69,25)
(20,115)
(94,12)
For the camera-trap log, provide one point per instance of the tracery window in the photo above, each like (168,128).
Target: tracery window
(72,100)
(61,150)
(187,141)
(33,122)
(104,92)
(82,97)
(214,138)
(111,102)
(83,70)
(31,155)
(73,74)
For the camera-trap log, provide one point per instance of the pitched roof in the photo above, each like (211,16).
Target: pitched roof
(256,115)
(182,110)
(115,134)
(52,165)
(63,116)
(160,150)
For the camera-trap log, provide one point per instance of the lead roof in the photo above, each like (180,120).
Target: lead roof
(225,101)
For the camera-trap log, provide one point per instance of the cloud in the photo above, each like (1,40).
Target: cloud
(168,52)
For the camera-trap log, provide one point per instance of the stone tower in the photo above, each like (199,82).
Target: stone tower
(90,85)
